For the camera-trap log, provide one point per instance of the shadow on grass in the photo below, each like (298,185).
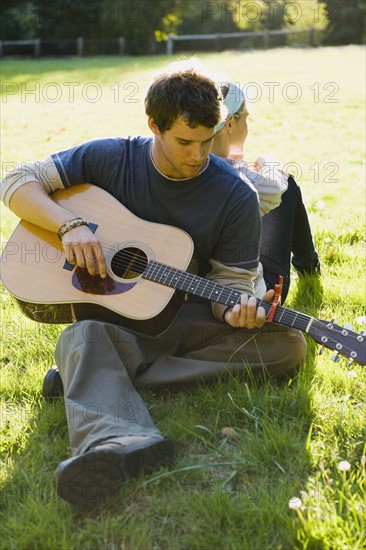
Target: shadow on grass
(245,444)
(309,293)
(243,453)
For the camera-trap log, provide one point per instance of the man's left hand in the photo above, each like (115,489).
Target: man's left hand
(247,314)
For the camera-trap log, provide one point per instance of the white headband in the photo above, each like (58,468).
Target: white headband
(233,101)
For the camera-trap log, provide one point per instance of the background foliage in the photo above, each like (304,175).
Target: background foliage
(145,23)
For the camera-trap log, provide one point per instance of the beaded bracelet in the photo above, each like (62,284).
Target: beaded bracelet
(76,222)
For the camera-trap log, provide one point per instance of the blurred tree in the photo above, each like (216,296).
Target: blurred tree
(139,22)
(346,21)
(207,17)
(50,20)
(135,20)
(216,17)
(274,14)
(17,20)
(304,14)
(145,23)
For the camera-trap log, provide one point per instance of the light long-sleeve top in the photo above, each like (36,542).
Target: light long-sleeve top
(266,177)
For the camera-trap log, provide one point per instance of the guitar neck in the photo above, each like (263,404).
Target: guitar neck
(198,286)
(68,294)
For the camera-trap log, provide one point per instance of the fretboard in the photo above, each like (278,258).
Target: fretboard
(198,286)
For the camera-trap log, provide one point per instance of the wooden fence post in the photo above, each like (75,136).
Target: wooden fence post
(266,39)
(37,47)
(217,43)
(311,36)
(121,45)
(169,45)
(80,46)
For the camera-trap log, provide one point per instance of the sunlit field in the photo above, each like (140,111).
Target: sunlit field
(271,466)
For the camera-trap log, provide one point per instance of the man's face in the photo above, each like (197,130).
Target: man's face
(181,152)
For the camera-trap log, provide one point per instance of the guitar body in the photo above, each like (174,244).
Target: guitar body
(48,290)
(147,276)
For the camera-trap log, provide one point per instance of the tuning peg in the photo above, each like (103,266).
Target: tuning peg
(335,321)
(336,358)
(321,351)
(348,326)
(363,333)
(350,363)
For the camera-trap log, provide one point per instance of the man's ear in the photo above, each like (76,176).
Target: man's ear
(153,126)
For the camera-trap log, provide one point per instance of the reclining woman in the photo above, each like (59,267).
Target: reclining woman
(286,232)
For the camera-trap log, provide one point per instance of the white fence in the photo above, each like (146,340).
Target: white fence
(217,38)
(79,46)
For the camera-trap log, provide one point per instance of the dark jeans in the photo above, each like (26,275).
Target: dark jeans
(285,232)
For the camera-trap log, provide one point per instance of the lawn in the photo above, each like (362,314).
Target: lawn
(271,466)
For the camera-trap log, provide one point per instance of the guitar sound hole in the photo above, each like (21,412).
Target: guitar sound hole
(129,263)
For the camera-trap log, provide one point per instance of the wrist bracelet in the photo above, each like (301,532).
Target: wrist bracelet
(225,311)
(76,222)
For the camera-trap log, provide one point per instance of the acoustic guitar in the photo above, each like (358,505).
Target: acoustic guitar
(147,276)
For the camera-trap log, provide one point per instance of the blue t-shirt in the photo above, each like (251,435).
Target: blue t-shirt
(216,208)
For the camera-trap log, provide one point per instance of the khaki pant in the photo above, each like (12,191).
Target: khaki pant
(103,365)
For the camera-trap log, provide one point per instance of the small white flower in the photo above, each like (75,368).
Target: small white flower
(295,503)
(344,466)
(352,374)
(320,205)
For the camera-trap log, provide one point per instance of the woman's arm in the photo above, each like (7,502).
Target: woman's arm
(268,180)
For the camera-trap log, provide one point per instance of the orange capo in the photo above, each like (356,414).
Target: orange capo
(276,299)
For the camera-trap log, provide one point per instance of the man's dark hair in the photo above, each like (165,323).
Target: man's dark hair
(187,94)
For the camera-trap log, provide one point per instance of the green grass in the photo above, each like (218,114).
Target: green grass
(229,488)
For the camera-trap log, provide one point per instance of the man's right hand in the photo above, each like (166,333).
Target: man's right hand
(83,249)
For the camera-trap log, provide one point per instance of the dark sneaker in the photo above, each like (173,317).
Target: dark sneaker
(88,479)
(52,384)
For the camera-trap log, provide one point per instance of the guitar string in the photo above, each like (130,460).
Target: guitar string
(224,292)
(170,270)
(140,263)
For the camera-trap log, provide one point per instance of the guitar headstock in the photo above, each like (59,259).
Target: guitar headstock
(342,340)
